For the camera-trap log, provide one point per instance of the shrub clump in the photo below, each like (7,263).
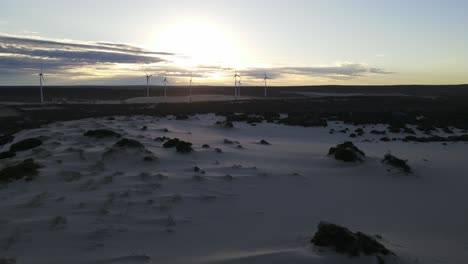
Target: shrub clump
(264,142)
(225,124)
(343,241)
(5,139)
(184,147)
(397,163)
(27,169)
(7,155)
(347,152)
(171,143)
(128,143)
(181,146)
(25,144)
(101,133)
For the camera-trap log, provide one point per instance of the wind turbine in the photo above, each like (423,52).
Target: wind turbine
(265,79)
(147,83)
(235,83)
(239,86)
(190,88)
(165,85)
(41,78)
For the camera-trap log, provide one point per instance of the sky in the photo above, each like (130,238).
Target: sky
(293,42)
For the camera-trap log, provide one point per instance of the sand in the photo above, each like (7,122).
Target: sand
(255,204)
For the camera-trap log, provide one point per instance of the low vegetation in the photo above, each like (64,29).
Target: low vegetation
(397,163)
(225,124)
(181,146)
(128,143)
(5,139)
(25,144)
(347,152)
(101,133)
(343,241)
(7,155)
(26,170)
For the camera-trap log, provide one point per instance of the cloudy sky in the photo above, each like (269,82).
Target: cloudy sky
(296,42)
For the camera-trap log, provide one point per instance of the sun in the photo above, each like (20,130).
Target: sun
(200,43)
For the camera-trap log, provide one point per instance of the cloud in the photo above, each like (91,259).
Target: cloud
(21,54)
(344,71)
(67,61)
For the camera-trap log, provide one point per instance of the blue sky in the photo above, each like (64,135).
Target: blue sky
(297,42)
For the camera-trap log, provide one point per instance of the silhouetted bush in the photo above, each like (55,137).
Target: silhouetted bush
(347,152)
(128,143)
(181,146)
(182,117)
(7,155)
(161,139)
(26,144)
(5,139)
(24,170)
(264,142)
(397,163)
(171,143)
(225,124)
(377,132)
(101,133)
(184,147)
(343,241)
(206,146)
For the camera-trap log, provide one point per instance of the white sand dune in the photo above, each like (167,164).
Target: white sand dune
(83,208)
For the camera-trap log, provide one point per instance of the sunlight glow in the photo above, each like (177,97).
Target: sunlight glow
(200,42)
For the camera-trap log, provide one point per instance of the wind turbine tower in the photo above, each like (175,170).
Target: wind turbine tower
(147,84)
(190,88)
(265,79)
(235,83)
(41,78)
(165,85)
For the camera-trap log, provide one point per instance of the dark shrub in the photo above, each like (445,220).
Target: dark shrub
(26,169)
(408,130)
(26,144)
(182,117)
(128,143)
(360,132)
(343,241)
(184,147)
(5,139)
(352,135)
(101,133)
(377,132)
(7,155)
(225,124)
(161,139)
(385,139)
(206,146)
(148,159)
(228,142)
(181,146)
(264,142)
(397,163)
(347,152)
(171,143)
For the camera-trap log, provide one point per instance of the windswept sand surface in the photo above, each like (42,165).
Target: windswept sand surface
(253,204)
